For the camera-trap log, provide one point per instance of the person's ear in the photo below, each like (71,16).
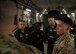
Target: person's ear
(68,27)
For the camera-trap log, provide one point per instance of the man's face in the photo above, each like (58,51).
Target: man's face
(37,26)
(51,21)
(22,25)
(62,28)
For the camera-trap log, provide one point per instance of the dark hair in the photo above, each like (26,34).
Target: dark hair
(39,23)
(54,12)
(66,20)
(22,21)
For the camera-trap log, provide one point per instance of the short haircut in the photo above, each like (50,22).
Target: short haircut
(53,13)
(22,21)
(39,23)
(66,20)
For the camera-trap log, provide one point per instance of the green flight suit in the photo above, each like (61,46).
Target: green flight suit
(37,37)
(51,36)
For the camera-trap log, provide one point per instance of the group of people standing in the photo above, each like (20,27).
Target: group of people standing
(60,41)
(31,36)
(34,36)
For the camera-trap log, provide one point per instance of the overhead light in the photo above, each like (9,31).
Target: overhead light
(71,28)
(28,10)
(37,14)
(73,13)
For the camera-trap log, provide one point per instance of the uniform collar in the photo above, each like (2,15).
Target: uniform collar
(64,36)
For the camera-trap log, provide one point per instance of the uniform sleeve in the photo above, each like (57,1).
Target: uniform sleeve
(67,50)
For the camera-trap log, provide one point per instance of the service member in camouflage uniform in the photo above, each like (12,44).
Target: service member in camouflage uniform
(9,45)
(65,42)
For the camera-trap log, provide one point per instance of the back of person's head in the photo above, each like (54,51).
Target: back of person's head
(7,16)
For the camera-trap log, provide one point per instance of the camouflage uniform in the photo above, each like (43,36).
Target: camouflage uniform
(9,45)
(64,45)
